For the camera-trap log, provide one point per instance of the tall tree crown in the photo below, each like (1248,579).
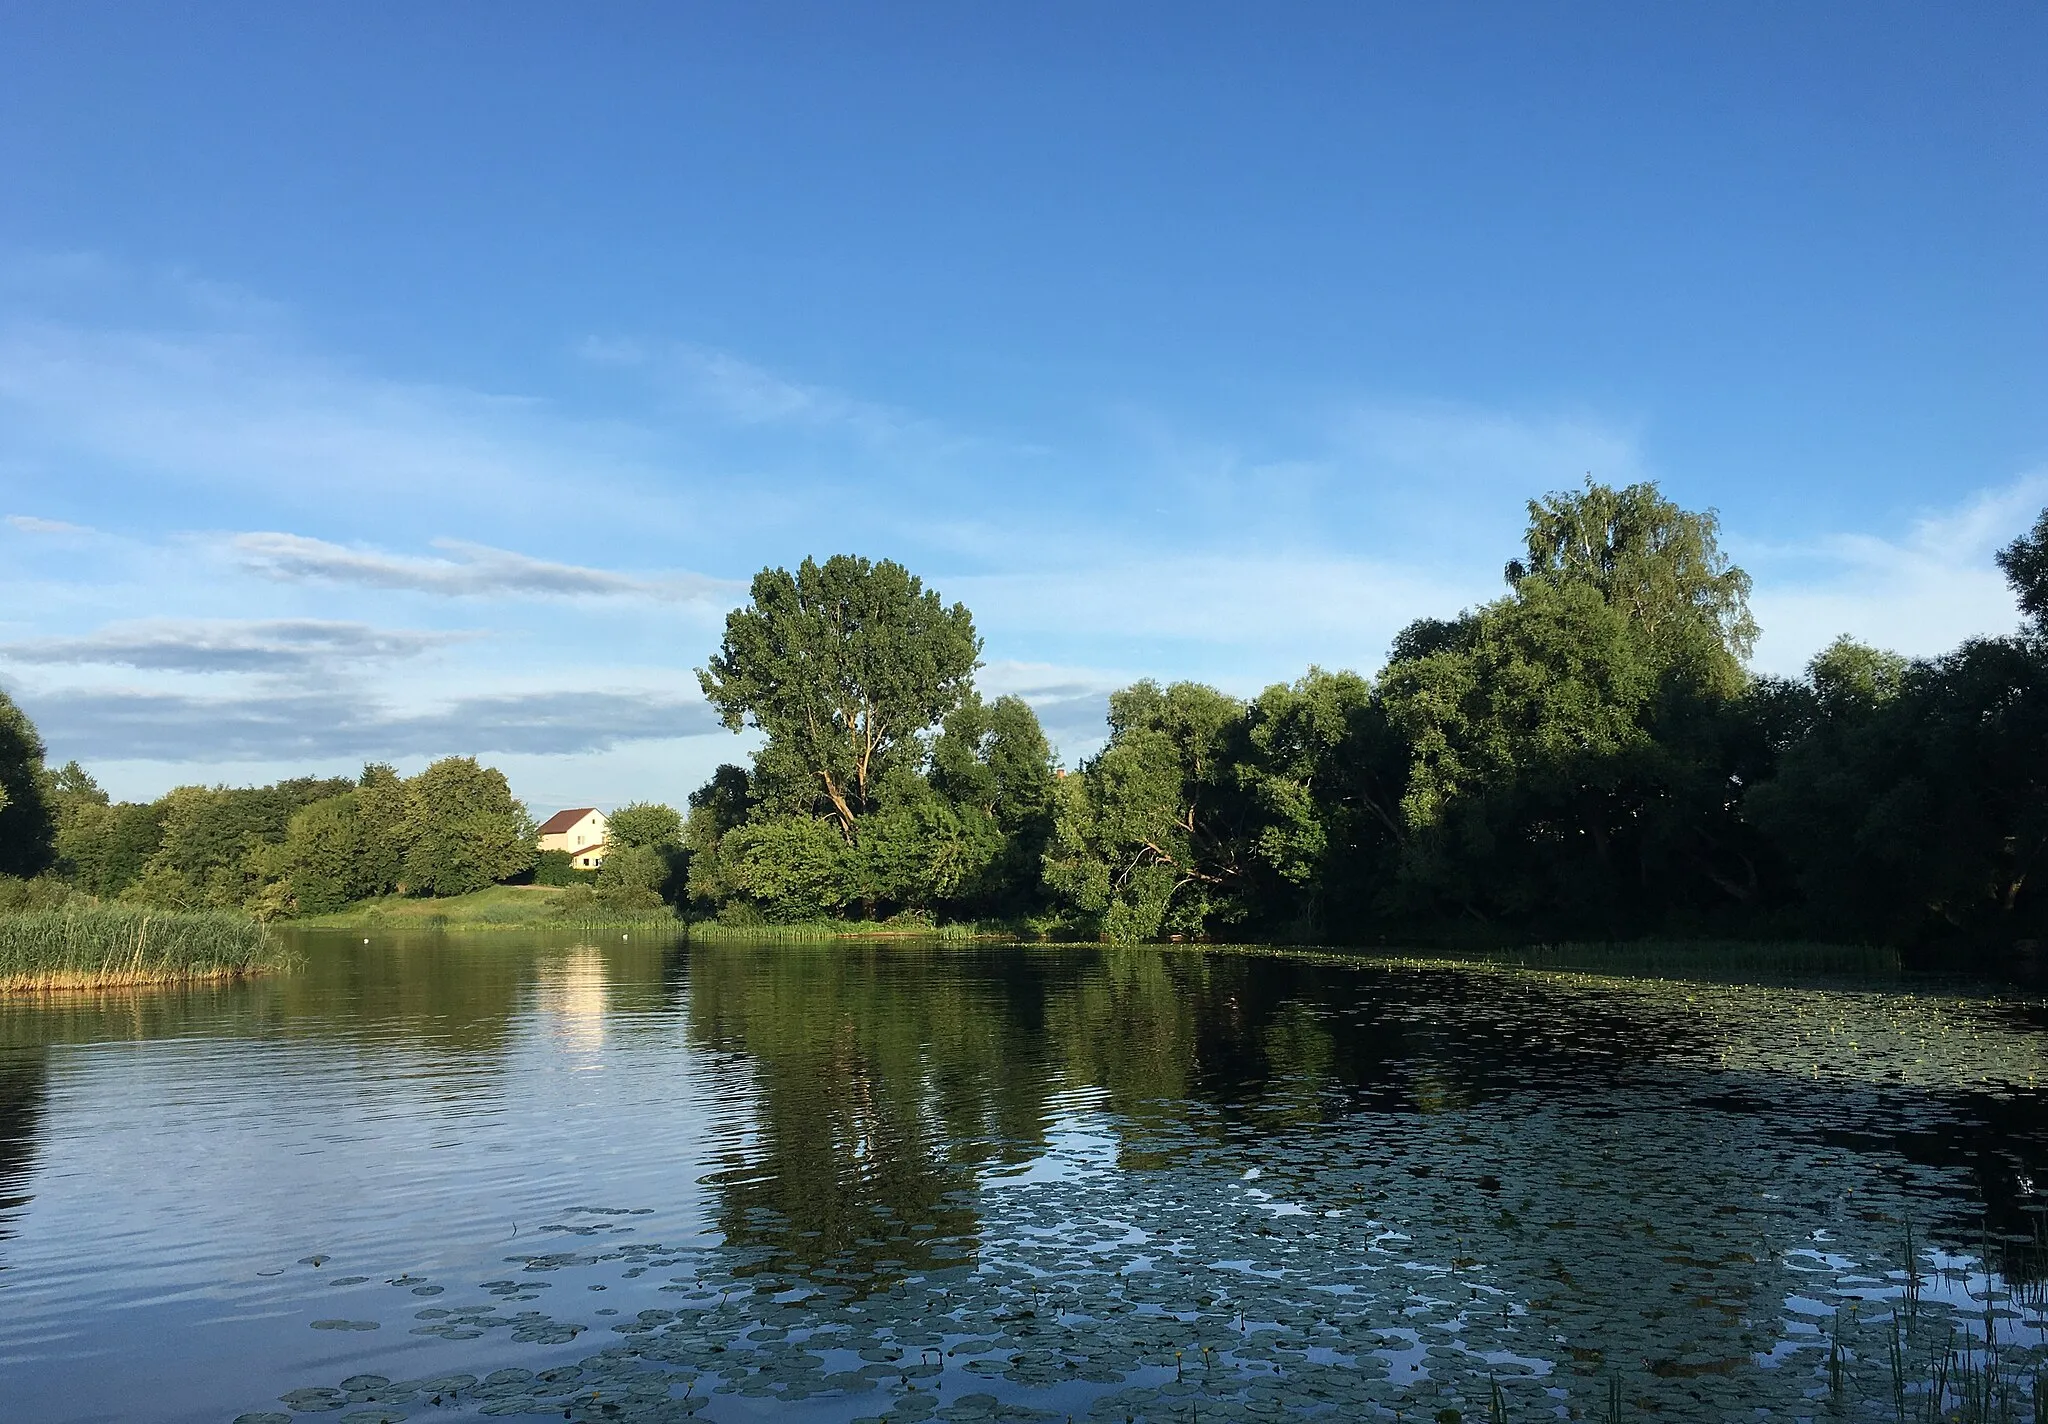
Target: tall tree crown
(1660,564)
(843,665)
(2025,561)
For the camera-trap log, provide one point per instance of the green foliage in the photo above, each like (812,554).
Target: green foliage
(842,665)
(43,892)
(921,850)
(324,864)
(1660,565)
(634,877)
(992,759)
(716,807)
(645,863)
(558,867)
(1576,750)
(646,823)
(1922,814)
(1150,835)
(28,823)
(88,945)
(1324,773)
(2025,562)
(790,868)
(462,830)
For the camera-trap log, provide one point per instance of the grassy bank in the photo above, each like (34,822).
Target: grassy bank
(500,907)
(96,946)
(900,927)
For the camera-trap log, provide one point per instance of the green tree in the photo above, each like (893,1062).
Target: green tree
(382,809)
(921,851)
(1660,565)
(645,823)
(645,861)
(462,829)
(1150,835)
(28,824)
(1573,765)
(789,868)
(1914,806)
(212,848)
(716,807)
(842,665)
(993,758)
(84,818)
(634,877)
(1324,772)
(2025,562)
(325,865)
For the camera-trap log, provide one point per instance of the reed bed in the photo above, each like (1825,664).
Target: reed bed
(116,946)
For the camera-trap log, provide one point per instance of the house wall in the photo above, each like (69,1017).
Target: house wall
(586,833)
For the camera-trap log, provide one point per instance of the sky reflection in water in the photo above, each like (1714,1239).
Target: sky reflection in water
(459,1178)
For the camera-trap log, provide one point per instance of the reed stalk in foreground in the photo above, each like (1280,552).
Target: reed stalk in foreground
(110,946)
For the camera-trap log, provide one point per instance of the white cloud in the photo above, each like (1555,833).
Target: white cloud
(230,645)
(1921,593)
(30,524)
(323,725)
(474,570)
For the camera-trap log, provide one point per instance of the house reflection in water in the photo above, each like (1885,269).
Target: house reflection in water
(571,996)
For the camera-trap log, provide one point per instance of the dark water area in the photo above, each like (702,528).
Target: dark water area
(453,1177)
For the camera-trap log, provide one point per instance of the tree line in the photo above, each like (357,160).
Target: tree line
(301,846)
(1587,755)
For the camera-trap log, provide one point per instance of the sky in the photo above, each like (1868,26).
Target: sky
(384,382)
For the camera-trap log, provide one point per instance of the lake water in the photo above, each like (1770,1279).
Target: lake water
(452,1178)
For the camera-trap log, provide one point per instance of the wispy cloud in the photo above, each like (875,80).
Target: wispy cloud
(326,725)
(1921,593)
(230,645)
(243,409)
(739,390)
(30,524)
(472,570)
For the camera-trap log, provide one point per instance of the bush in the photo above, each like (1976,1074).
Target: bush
(44,892)
(558,867)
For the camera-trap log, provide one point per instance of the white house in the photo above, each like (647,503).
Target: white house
(580,830)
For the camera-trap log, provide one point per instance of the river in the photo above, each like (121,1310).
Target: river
(619,1177)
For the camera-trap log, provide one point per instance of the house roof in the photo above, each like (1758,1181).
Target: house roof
(563,820)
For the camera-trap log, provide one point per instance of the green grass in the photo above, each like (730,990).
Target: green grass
(98,946)
(713,932)
(499,907)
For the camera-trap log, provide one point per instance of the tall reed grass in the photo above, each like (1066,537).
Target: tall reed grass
(99,946)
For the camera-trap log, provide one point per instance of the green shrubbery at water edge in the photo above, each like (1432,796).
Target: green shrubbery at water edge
(1588,757)
(84,946)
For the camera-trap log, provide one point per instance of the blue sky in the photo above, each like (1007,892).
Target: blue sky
(390,381)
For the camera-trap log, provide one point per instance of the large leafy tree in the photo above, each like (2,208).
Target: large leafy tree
(1150,836)
(1660,565)
(28,825)
(2025,562)
(992,759)
(462,829)
(843,665)
(1324,772)
(1914,805)
(1546,786)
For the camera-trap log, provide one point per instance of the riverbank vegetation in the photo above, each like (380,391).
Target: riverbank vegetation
(100,946)
(1588,757)
(522,907)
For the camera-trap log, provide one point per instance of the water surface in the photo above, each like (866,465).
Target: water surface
(450,1178)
